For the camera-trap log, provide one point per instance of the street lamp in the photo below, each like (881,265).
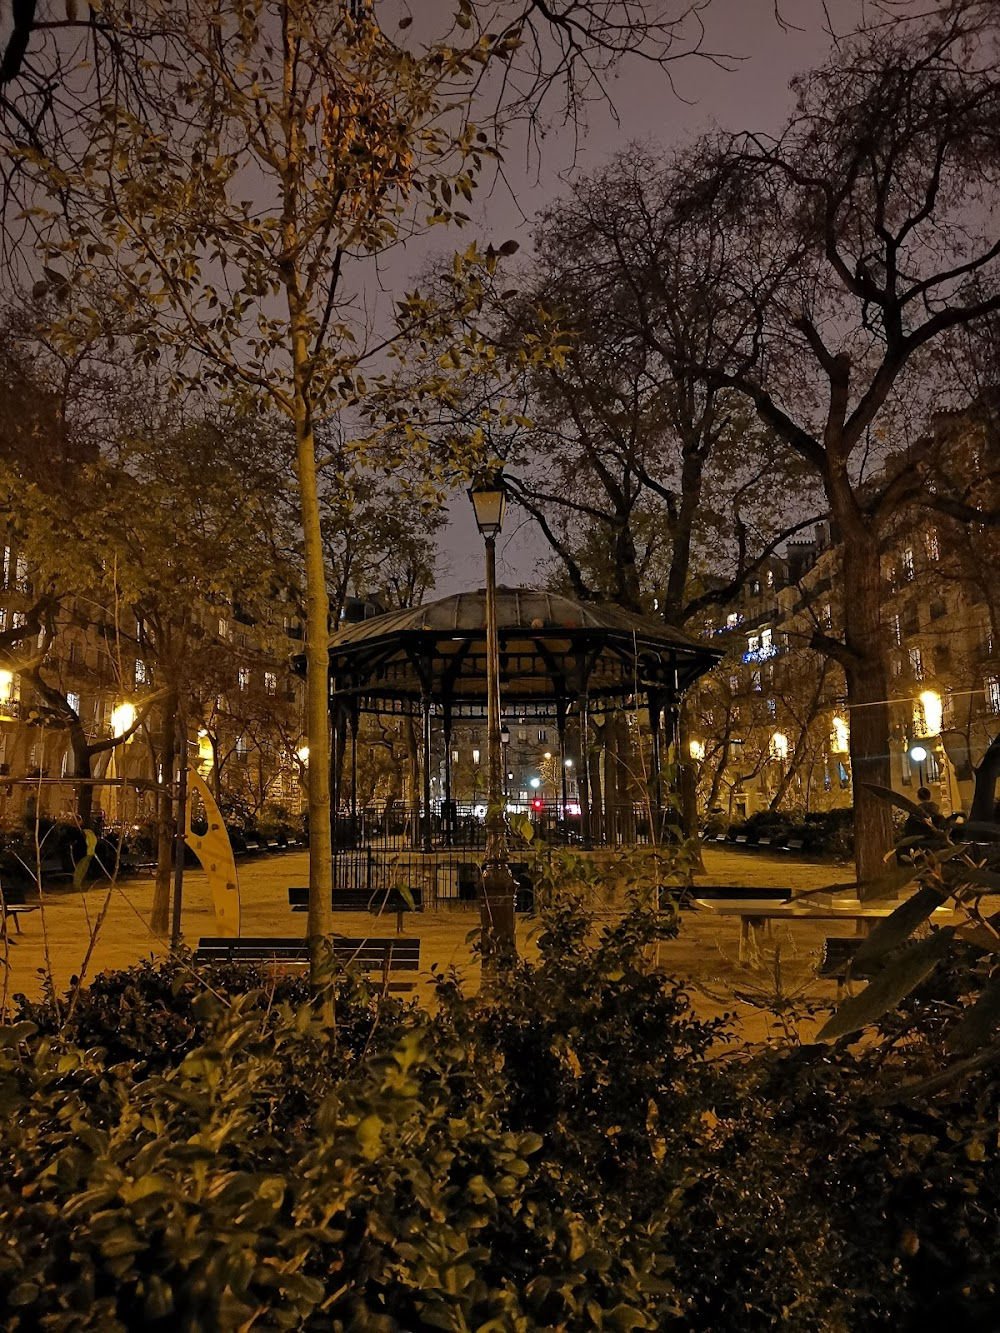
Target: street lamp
(918,754)
(489,500)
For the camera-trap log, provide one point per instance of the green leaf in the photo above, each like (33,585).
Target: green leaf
(897,927)
(894,798)
(83,865)
(891,985)
(979,1023)
(869,889)
(369,1134)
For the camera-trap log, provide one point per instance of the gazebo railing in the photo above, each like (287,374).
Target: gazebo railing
(462,825)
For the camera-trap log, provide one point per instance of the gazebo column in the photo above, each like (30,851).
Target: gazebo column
(583,773)
(447,815)
(561,729)
(654,698)
(340,709)
(425,711)
(354,720)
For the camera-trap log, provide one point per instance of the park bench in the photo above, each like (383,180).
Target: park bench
(838,956)
(470,877)
(375,901)
(381,957)
(739,892)
(16,910)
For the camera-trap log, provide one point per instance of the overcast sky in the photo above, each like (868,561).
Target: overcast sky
(755,95)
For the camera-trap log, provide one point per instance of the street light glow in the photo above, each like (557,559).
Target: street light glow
(122,718)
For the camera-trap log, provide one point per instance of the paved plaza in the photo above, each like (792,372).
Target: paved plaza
(56,939)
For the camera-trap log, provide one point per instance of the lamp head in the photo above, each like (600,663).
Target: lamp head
(489,500)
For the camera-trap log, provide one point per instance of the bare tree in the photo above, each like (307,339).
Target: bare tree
(863,234)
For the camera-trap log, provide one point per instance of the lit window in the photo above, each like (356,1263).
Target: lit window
(828,615)
(7,558)
(755,680)
(475,756)
(21,574)
(223,628)
(897,664)
(244,678)
(896,630)
(779,745)
(753,644)
(906,564)
(543,736)
(141,674)
(74,702)
(931,712)
(766,640)
(270,682)
(697,749)
(770,578)
(772,708)
(933,545)
(732,620)
(241,746)
(839,736)
(734,683)
(993,694)
(454,756)
(916,663)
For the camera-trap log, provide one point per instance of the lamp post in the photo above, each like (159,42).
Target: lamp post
(504,753)
(918,753)
(489,500)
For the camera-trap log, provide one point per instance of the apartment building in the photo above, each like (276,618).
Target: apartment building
(98,675)
(771,725)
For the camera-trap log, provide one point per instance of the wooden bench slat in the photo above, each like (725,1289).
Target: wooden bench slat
(368,955)
(350,900)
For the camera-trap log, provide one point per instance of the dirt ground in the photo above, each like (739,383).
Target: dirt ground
(56,939)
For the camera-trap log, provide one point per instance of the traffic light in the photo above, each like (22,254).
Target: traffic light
(537,804)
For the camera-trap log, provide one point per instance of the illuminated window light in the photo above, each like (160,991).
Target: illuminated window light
(840,736)
(933,712)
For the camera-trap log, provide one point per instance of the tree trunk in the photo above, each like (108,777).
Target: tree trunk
(317,633)
(82,768)
(867,695)
(165,827)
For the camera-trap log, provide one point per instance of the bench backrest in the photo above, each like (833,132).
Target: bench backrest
(738,891)
(368,955)
(360,900)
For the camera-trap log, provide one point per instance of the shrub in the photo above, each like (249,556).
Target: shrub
(578,1152)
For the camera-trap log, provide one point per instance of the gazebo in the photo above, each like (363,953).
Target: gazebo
(560,660)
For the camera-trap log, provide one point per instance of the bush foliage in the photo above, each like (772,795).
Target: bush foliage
(221,1151)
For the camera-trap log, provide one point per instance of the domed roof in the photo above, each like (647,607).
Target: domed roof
(552,649)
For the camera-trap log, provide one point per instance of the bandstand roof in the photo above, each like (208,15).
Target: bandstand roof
(551,649)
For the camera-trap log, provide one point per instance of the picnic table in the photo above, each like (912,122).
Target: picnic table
(757,914)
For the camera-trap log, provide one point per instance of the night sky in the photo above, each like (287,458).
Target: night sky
(755,95)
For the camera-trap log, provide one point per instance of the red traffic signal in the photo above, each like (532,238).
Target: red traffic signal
(537,803)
